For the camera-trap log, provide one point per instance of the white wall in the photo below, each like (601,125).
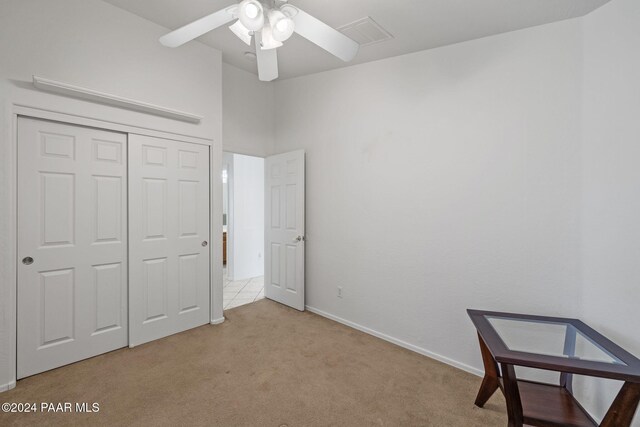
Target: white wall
(611,180)
(248,116)
(93,44)
(248,218)
(248,128)
(96,45)
(443,180)
(500,173)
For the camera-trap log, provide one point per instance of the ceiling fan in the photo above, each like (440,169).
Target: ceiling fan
(269,22)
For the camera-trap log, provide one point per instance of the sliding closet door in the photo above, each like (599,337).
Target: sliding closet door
(168,237)
(72,244)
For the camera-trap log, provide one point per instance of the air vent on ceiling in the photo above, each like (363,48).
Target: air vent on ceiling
(365,31)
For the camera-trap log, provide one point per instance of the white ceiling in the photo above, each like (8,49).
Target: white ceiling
(415,25)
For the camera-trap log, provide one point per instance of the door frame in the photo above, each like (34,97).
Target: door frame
(230,213)
(230,210)
(8,288)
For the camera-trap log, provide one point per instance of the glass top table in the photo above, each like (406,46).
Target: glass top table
(567,346)
(547,337)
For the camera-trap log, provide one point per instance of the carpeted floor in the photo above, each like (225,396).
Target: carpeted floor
(266,365)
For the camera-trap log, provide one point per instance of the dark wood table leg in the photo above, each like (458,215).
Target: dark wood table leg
(512,395)
(623,408)
(490,382)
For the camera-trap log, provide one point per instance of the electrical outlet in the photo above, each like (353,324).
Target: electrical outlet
(339,291)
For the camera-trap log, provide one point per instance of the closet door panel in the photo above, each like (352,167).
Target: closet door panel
(72,248)
(169,236)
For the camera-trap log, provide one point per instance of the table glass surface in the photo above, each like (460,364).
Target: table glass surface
(549,338)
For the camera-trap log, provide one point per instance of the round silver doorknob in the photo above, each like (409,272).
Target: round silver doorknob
(298,239)
(27,260)
(205,243)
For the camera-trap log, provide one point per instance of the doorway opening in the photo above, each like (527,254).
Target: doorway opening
(242,229)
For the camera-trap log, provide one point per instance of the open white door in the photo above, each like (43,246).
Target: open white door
(284,229)
(169,257)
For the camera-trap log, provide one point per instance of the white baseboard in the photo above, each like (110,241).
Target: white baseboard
(8,386)
(398,342)
(217,321)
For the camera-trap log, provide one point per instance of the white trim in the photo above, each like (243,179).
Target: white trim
(215,221)
(113,100)
(398,342)
(8,282)
(230,215)
(76,119)
(8,386)
(217,321)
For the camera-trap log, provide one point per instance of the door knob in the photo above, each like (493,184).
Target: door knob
(204,244)
(27,260)
(298,239)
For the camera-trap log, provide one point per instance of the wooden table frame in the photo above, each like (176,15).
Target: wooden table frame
(548,405)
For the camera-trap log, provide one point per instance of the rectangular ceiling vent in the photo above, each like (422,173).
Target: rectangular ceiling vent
(365,31)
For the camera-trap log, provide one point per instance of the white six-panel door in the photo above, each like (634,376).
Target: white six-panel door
(284,229)
(168,237)
(72,244)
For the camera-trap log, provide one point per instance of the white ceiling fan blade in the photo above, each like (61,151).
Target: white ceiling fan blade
(267,61)
(197,28)
(316,31)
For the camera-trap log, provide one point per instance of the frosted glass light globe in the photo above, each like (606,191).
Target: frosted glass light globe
(251,15)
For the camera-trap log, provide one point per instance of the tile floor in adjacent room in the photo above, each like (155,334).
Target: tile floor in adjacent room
(241,292)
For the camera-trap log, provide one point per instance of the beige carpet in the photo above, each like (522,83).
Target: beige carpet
(266,365)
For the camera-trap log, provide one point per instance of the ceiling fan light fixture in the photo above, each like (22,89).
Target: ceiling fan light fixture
(251,11)
(282,26)
(242,32)
(268,41)
(251,14)
(269,23)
